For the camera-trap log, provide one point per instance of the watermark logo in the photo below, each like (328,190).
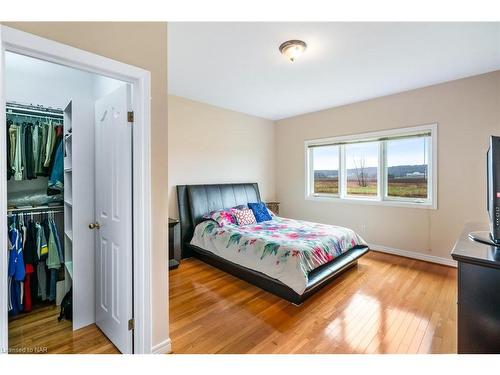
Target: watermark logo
(25,350)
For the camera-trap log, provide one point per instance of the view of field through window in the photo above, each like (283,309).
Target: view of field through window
(406,168)
(362,168)
(326,169)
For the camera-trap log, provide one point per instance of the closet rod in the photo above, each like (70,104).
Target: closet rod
(39,212)
(53,117)
(33,108)
(28,209)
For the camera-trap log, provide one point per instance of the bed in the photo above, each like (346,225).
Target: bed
(289,258)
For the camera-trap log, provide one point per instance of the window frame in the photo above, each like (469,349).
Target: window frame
(382,197)
(311,174)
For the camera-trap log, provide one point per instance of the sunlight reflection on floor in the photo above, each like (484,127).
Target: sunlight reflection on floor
(361,327)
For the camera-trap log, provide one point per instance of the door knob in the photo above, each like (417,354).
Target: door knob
(94,226)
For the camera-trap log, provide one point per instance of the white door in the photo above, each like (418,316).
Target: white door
(113,226)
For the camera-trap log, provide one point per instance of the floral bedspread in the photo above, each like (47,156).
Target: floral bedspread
(284,249)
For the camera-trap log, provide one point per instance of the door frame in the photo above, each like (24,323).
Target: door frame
(13,40)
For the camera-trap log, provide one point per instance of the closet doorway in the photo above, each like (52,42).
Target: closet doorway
(69,200)
(71,194)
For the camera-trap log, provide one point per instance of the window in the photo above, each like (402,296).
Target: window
(396,167)
(407,166)
(362,168)
(326,169)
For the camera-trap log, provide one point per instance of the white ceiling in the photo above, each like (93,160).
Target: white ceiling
(238,66)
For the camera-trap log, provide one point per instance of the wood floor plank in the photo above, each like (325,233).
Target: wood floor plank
(387,304)
(40,331)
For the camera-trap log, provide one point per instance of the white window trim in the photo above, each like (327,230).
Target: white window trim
(381,199)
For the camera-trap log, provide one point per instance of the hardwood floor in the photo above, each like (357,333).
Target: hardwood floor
(40,332)
(388,304)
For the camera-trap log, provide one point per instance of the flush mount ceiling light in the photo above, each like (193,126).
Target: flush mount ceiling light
(293,49)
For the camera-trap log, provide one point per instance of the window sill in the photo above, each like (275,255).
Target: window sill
(371,202)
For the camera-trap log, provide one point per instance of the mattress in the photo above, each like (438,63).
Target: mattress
(284,249)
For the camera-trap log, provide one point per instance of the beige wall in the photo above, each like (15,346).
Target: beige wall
(467,112)
(207,144)
(143,45)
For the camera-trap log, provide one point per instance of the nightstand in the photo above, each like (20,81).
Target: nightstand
(174,243)
(274,206)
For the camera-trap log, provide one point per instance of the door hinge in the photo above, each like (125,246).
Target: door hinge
(131,324)
(130,116)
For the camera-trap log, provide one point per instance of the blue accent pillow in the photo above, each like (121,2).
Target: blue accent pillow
(260,211)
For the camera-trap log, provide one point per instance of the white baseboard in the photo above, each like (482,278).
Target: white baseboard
(413,255)
(164,347)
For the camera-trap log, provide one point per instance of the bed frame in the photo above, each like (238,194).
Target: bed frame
(196,200)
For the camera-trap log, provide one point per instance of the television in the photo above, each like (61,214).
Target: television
(493,172)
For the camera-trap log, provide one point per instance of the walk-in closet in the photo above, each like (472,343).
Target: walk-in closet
(52,130)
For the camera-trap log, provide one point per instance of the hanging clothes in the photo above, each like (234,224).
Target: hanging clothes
(29,249)
(41,243)
(22,143)
(28,149)
(50,144)
(56,181)
(42,152)
(53,259)
(18,160)
(30,262)
(34,150)
(34,141)
(27,288)
(57,239)
(16,261)
(42,252)
(31,148)
(9,155)
(14,167)
(16,270)
(33,262)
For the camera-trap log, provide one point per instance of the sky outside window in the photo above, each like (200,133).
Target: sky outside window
(410,151)
(326,158)
(326,166)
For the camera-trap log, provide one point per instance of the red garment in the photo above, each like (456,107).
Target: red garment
(27,289)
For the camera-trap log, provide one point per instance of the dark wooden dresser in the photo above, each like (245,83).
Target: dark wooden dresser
(478,293)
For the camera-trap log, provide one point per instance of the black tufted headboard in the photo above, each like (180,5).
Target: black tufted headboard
(196,200)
